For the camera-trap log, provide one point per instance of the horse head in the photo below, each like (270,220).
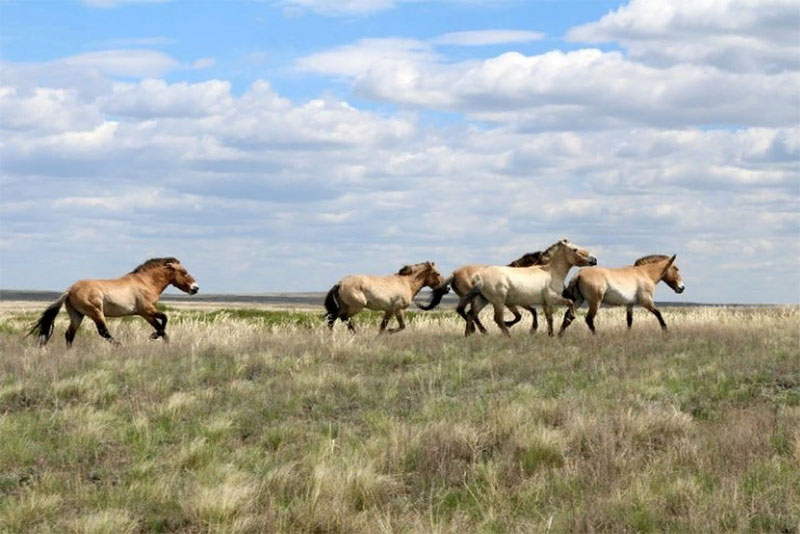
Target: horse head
(573,254)
(180,278)
(431,276)
(672,276)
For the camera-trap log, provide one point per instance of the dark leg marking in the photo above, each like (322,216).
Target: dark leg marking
(70,335)
(569,316)
(535,324)
(517,318)
(629,317)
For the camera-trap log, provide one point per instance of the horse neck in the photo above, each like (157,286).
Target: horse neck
(558,266)
(159,279)
(654,271)
(417,281)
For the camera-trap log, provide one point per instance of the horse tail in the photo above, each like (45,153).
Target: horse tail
(438,292)
(332,304)
(46,322)
(573,289)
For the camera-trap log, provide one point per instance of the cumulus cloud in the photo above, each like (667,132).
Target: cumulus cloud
(582,88)
(737,35)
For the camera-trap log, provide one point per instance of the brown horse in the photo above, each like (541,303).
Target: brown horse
(461,282)
(525,286)
(390,294)
(136,293)
(624,286)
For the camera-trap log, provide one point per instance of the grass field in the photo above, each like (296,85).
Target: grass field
(263,421)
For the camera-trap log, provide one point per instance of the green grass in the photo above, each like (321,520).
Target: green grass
(263,421)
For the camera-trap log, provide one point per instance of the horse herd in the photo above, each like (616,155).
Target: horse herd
(534,279)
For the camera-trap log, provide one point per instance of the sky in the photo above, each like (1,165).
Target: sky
(276,146)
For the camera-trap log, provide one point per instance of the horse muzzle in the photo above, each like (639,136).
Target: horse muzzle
(592,260)
(193,290)
(680,289)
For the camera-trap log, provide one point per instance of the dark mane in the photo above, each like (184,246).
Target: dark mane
(527,259)
(652,258)
(406,270)
(154,262)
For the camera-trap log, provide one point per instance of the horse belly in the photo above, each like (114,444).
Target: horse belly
(526,293)
(620,296)
(119,305)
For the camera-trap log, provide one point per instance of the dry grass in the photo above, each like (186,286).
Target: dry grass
(265,422)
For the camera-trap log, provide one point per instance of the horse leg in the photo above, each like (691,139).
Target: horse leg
(158,321)
(548,315)
(477,305)
(629,316)
(75,319)
(400,321)
(498,318)
(96,315)
(569,315)
(517,316)
(385,321)
(535,324)
(651,307)
(593,307)
(348,320)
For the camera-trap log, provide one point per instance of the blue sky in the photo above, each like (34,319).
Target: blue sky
(279,145)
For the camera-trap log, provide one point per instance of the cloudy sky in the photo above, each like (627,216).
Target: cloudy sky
(279,145)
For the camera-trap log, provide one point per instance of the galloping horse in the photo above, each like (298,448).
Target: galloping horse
(461,282)
(390,294)
(525,286)
(136,293)
(623,286)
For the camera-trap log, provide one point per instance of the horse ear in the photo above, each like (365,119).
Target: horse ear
(669,264)
(171,265)
(405,270)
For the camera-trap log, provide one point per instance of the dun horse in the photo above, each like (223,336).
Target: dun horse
(461,282)
(390,294)
(136,293)
(624,286)
(525,286)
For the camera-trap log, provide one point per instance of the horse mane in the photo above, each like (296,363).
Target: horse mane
(408,270)
(535,258)
(652,258)
(154,262)
(548,252)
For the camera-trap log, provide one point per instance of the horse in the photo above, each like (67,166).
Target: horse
(525,286)
(623,286)
(461,282)
(136,293)
(390,294)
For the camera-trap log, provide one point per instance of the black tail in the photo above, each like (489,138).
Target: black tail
(573,290)
(438,293)
(46,322)
(332,305)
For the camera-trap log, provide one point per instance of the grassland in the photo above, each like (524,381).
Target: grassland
(263,421)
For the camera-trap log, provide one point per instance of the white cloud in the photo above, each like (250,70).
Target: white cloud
(487,37)
(153,98)
(739,35)
(558,90)
(357,58)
